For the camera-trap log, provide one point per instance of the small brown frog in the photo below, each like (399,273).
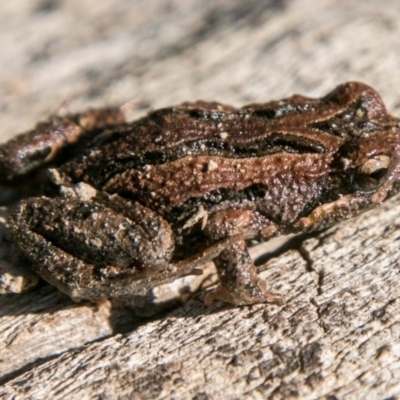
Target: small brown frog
(146,202)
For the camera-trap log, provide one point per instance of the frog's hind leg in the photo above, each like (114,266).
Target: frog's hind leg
(239,283)
(92,245)
(46,142)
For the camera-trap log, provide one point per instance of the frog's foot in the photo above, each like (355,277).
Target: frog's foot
(252,294)
(239,283)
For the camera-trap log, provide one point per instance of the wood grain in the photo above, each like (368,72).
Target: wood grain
(338,335)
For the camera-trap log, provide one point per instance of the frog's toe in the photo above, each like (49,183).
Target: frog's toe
(252,294)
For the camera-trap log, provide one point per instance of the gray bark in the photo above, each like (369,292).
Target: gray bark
(337,336)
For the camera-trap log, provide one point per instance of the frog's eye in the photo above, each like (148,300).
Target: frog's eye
(376,167)
(372,172)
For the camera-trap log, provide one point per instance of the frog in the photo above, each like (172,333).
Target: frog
(136,204)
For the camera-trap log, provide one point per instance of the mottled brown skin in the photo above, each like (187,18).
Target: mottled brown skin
(153,200)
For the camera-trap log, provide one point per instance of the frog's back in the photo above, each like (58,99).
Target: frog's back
(205,129)
(276,154)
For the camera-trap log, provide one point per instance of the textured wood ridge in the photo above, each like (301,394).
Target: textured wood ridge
(337,336)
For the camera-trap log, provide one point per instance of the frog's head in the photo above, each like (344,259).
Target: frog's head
(367,163)
(370,166)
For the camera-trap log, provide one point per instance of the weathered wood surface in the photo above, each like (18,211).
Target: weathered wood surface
(338,336)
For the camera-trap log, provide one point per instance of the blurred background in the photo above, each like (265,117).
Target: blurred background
(81,54)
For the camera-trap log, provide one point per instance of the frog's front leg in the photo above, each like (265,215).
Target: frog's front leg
(91,245)
(239,283)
